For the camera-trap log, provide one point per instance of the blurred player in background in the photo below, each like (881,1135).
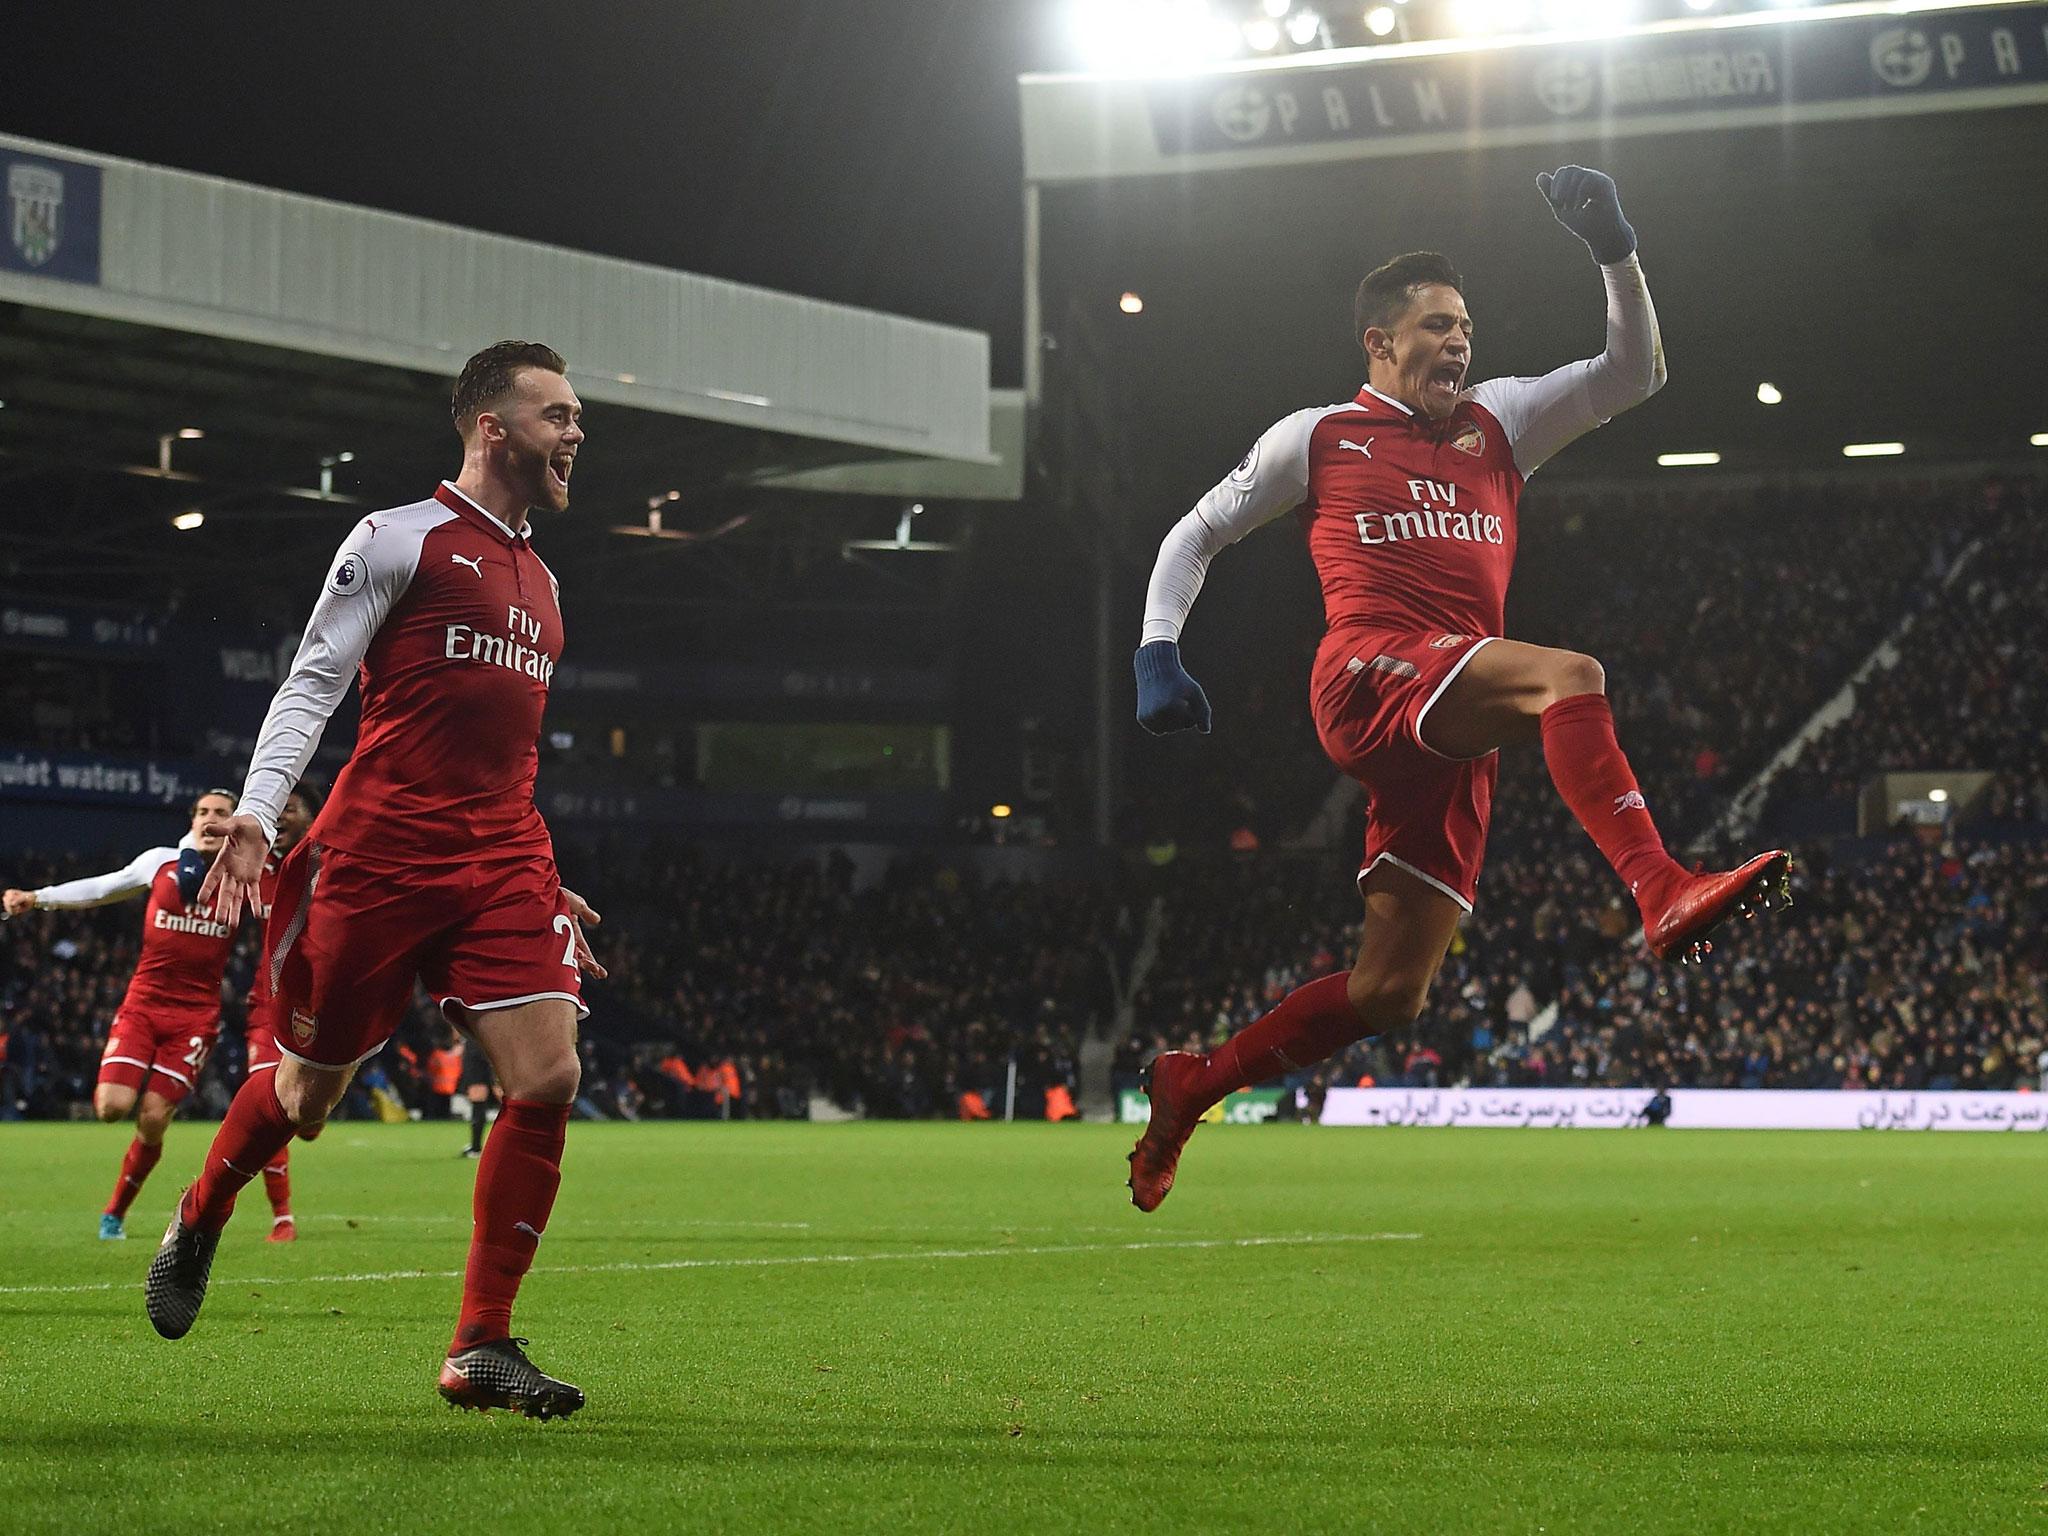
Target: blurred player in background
(1408,497)
(430,859)
(261,1036)
(169,1020)
(479,1088)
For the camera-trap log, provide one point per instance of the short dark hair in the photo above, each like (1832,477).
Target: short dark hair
(489,376)
(309,792)
(227,794)
(1387,290)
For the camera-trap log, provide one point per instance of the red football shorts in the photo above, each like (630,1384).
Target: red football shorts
(348,935)
(1424,812)
(164,1051)
(261,1037)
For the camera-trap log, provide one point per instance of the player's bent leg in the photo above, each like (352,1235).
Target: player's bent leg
(277,1184)
(152,1119)
(266,1113)
(1408,928)
(532,1048)
(1498,697)
(111,1102)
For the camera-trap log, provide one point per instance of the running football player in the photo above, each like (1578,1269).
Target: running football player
(1408,496)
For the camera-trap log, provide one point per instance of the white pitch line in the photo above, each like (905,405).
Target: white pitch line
(773,1261)
(456,1218)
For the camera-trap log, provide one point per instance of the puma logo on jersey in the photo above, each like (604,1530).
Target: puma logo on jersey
(1364,447)
(1632,801)
(474,563)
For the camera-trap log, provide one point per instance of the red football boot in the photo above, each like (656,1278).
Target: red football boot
(1167,1081)
(1676,927)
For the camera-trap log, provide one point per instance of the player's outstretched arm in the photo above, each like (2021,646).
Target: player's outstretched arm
(235,883)
(1270,479)
(94,890)
(1542,415)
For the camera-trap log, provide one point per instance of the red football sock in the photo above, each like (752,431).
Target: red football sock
(277,1182)
(255,1131)
(1588,768)
(516,1180)
(1311,1024)
(135,1168)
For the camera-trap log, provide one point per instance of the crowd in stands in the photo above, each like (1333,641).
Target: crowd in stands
(1970,687)
(752,988)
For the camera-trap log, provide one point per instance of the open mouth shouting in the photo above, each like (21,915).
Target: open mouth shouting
(1444,382)
(559,468)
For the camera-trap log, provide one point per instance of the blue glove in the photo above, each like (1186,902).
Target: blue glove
(1168,699)
(192,865)
(1586,203)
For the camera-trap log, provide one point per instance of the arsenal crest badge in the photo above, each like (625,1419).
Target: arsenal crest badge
(1469,439)
(304,1026)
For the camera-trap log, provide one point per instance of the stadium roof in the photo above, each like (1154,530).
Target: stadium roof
(172,344)
(1882,270)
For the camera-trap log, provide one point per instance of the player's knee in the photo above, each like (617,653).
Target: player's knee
(307,1097)
(550,1082)
(109,1110)
(1387,1000)
(1573,674)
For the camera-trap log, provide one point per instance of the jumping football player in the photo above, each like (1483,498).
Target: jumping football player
(429,860)
(1408,496)
(169,1020)
(260,1038)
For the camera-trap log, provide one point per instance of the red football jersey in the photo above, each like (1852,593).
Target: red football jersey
(452,626)
(184,948)
(1412,522)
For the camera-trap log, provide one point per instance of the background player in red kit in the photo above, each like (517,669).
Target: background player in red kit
(429,860)
(167,1023)
(1408,496)
(260,1037)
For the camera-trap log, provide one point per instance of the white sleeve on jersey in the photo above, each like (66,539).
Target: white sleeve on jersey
(370,573)
(1543,415)
(1272,479)
(97,890)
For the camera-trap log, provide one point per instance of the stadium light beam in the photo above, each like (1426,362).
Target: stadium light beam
(1150,37)
(1000,811)
(1276,8)
(1380,20)
(1683,460)
(1872,450)
(2038,440)
(1261,35)
(1585,15)
(1303,27)
(191,434)
(1938,796)
(185,522)
(1768,393)
(1131,304)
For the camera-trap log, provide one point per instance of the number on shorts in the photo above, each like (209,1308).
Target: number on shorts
(566,925)
(196,1057)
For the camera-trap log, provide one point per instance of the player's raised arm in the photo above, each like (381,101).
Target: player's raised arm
(94,890)
(1542,415)
(366,579)
(1270,480)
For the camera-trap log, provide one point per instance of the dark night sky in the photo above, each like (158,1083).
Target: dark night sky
(864,151)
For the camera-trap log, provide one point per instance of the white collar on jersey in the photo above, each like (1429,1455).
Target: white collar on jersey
(509,532)
(1397,405)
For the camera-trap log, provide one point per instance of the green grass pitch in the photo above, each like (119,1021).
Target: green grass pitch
(966,1328)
